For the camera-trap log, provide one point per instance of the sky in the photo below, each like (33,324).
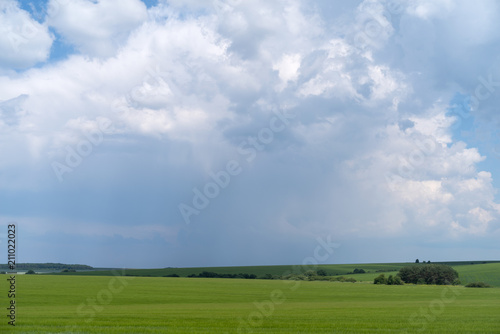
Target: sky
(185,133)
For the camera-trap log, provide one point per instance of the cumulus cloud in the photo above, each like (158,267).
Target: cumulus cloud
(96,28)
(24,42)
(368,149)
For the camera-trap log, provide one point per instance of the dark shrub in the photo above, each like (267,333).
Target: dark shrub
(310,273)
(208,274)
(343,279)
(380,279)
(339,279)
(397,280)
(477,285)
(30,272)
(322,272)
(439,274)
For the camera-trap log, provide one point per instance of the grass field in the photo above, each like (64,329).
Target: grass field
(332,269)
(489,273)
(479,271)
(51,303)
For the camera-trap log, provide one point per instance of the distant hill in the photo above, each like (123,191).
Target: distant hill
(46,266)
(371,270)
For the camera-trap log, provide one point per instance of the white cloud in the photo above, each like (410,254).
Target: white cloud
(97,28)
(370,153)
(427,9)
(23,41)
(288,68)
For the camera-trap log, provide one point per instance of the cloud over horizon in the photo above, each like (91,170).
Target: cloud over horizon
(237,133)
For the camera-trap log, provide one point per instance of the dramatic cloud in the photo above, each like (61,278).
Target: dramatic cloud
(96,28)
(235,132)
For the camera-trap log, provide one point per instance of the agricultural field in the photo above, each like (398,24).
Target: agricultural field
(331,269)
(99,304)
(487,271)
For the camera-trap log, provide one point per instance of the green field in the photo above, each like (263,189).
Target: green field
(488,272)
(331,269)
(51,303)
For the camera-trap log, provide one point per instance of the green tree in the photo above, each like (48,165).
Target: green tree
(310,273)
(417,261)
(397,280)
(439,274)
(380,279)
(477,285)
(322,272)
(30,272)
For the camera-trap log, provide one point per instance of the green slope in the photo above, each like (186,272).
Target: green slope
(488,273)
(491,270)
(331,269)
(48,304)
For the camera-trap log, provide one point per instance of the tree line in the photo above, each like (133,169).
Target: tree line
(436,274)
(46,266)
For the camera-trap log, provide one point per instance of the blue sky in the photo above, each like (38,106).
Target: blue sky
(227,132)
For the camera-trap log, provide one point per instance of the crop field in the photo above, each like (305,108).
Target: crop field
(99,304)
(489,273)
(332,269)
(478,271)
